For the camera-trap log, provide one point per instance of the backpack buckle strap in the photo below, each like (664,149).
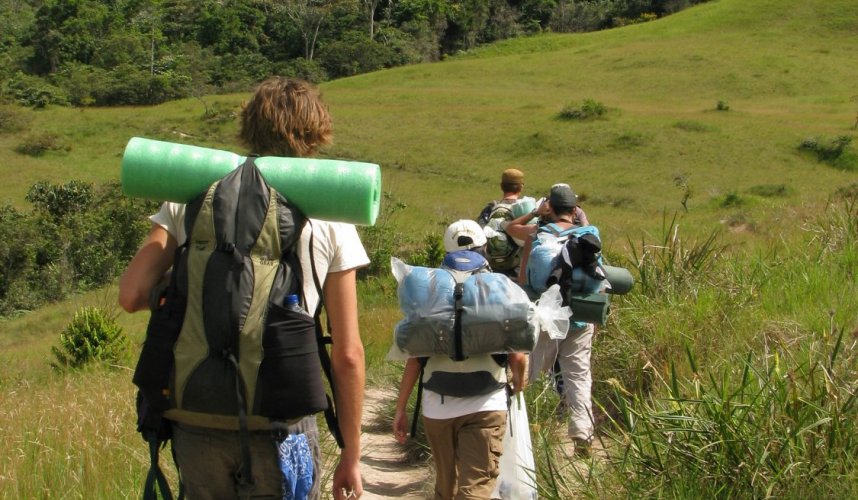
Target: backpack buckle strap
(225,247)
(458,294)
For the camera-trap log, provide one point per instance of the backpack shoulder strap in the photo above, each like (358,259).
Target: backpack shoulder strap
(550,228)
(156,485)
(419,399)
(323,341)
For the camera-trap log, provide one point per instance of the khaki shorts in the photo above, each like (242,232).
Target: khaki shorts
(466,451)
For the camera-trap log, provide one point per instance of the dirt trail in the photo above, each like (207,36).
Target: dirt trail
(385,469)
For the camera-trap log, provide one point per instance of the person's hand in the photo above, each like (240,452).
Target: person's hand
(518,383)
(541,207)
(400,426)
(347,482)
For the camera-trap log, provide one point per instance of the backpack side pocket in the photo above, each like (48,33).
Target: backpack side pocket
(290,381)
(156,362)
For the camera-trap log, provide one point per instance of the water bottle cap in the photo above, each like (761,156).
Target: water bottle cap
(291,300)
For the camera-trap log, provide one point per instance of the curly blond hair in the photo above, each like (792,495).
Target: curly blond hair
(285,117)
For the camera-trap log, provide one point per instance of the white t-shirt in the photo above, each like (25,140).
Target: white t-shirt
(336,246)
(440,407)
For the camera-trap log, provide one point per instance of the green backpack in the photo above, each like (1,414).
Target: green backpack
(222,351)
(501,250)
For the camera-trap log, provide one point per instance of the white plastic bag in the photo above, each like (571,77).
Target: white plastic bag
(517,478)
(553,315)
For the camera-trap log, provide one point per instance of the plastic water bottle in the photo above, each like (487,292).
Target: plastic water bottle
(291,302)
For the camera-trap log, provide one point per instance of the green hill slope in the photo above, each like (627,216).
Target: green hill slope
(442,132)
(785,69)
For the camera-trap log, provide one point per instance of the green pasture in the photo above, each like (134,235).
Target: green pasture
(776,287)
(442,132)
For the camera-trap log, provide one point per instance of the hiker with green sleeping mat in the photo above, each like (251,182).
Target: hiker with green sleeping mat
(558,215)
(231,366)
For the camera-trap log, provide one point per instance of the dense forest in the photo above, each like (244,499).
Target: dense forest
(111,52)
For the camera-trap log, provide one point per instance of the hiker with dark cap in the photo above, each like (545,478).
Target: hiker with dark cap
(313,262)
(502,251)
(558,215)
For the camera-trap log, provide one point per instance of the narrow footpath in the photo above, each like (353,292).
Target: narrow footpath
(386,470)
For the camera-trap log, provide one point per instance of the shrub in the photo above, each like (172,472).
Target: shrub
(692,126)
(731,200)
(722,106)
(33,91)
(770,190)
(382,241)
(77,237)
(834,152)
(16,254)
(39,144)
(218,113)
(306,69)
(629,140)
(124,84)
(113,232)
(588,110)
(92,336)
(12,120)
(60,200)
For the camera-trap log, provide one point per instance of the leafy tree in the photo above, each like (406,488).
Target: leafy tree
(371,8)
(67,30)
(230,26)
(308,16)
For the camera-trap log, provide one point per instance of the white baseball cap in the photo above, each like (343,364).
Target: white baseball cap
(463,235)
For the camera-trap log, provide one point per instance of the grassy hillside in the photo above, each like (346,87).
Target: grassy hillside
(443,132)
(785,69)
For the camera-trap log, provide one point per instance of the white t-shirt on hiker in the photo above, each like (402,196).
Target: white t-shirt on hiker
(440,407)
(336,245)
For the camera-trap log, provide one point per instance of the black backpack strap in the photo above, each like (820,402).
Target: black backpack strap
(458,293)
(323,341)
(416,417)
(156,482)
(483,218)
(244,482)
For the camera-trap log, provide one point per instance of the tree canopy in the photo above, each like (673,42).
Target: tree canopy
(110,52)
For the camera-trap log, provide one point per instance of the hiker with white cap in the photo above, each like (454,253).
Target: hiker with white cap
(464,402)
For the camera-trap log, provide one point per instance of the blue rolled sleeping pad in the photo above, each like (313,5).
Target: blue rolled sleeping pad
(426,301)
(495,315)
(424,289)
(490,308)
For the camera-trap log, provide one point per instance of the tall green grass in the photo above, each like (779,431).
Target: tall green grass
(776,423)
(764,401)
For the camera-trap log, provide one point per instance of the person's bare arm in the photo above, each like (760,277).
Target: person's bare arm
(409,378)
(518,367)
(525,256)
(146,269)
(349,374)
(520,228)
